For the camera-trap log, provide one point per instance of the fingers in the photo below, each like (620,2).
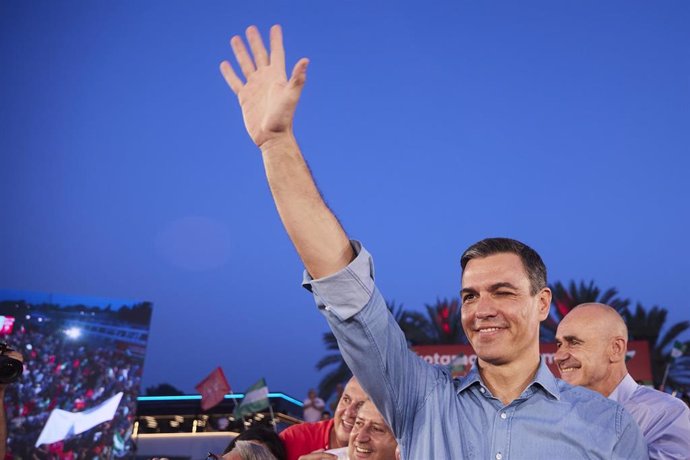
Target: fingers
(231,77)
(261,59)
(277,50)
(299,74)
(257,46)
(242,56)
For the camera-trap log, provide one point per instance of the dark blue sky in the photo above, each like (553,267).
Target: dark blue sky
(125,170)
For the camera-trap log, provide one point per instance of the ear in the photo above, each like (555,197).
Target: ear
(544,303)
(617,349)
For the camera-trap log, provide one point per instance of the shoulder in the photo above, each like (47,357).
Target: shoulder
(591,405)
(582,395)
(306,429)
(651,401)
(646,395)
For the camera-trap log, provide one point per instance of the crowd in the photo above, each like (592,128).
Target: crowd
(509,406)
(71,375)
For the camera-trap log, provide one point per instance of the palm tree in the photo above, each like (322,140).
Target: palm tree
(565,299)
(647,325)
(445,319)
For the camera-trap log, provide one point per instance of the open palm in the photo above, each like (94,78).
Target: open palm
(268,99)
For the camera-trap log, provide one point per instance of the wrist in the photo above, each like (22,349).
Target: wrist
(278,143)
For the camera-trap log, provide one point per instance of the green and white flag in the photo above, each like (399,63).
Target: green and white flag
(255,399)
(678,350)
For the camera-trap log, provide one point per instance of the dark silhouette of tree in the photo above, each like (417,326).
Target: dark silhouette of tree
(565,299)
(163,389)
(647,325)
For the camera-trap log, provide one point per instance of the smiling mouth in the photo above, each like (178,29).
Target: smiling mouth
(362,450)
(347,425)
(567,369)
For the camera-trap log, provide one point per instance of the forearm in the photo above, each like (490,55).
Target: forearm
(320,240)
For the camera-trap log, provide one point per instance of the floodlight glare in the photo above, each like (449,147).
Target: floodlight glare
(73,332)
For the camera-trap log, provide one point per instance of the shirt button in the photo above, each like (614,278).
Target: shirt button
(503,415)
(481,389)
(499,456)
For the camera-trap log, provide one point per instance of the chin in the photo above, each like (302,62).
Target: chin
(494,358)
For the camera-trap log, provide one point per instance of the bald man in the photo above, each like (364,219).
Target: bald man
(592,342)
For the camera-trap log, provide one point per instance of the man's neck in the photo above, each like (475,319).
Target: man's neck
(507,381)
(333,442)
(612,380)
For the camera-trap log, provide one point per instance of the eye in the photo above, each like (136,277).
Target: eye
(558,344)
(468,297)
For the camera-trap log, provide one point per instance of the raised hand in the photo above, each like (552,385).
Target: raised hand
(267,98)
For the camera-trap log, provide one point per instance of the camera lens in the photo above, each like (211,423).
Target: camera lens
(10,369)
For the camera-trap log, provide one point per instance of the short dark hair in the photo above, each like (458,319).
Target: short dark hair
(265,436)
(531,261)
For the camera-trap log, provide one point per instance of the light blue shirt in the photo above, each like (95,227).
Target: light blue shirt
(435,417)
(663,419)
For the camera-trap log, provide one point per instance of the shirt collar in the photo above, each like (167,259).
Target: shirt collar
(544,379)
(624,390)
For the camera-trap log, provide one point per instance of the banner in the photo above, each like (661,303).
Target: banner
(62,424)
(460,358)
(213,389)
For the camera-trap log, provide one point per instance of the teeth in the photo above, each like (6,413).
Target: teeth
(568,369)
(489,329)
(362,450)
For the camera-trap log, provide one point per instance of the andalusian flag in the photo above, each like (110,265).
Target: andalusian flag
(678,350)
(255,399)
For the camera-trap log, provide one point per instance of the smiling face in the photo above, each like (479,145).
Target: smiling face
(500,316)
(345,413)
(371,437)
(591,342)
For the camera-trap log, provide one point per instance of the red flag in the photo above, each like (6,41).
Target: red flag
(213,388)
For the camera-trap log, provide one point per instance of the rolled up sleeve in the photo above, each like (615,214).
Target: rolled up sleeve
(346,292)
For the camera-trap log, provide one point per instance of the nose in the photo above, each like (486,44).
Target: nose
(484,308)
(363,434)
(560,355)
